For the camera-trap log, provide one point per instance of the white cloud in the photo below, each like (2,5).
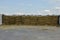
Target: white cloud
(39,13)
(57,8)
(49,12)
(7,13)
(55,11)
(44,12)
(19,13)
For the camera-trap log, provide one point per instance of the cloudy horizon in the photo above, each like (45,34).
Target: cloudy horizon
(30,7)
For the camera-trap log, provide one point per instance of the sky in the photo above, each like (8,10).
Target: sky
(30,7)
